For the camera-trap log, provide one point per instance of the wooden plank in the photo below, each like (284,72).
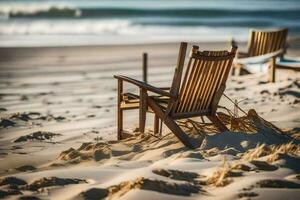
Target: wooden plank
(206,85)
(129,106)
(251,42)
(156,124)
(212,58)
(143,110)
(209,90)
(119,110)
(196,92)
(204,81)
(145,67)
(177,76)
(264,41)
(184,115)
(187,80)
(193,89)
(272,65)
(187,84)
(219,69)
(216,98)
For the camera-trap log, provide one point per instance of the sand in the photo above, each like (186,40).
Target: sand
(58,131)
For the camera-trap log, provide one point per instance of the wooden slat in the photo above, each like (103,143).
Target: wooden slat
(206,82)
(184,90)
(201,80)
(143,110)
(210,81)
(250,42)
(177,75)
(119,110)
(212,58)
(193,90)
(264,42)
(197,90)
(129,106)
(183,115)
(215,82)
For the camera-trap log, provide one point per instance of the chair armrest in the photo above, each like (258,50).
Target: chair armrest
(145,86)
(259,59)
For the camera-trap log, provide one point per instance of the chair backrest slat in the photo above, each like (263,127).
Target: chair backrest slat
(215,83)
(263,42)
(206,72)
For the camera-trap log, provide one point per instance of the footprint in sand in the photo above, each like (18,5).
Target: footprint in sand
(178,175)
(38,136)
(247,195)
(262,165)
(142,183)
(25,168)
(14,186)
(6,123)
(52,181)
(269,183)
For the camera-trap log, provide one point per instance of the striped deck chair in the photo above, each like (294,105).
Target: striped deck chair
(194,92)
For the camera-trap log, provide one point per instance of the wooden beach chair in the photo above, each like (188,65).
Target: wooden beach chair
(194,92)
(263,47)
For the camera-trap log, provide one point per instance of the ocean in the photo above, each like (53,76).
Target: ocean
(92,22)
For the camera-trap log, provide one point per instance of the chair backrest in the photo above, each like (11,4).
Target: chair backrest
(263,42)
(204,78)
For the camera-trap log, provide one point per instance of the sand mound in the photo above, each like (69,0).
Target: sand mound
(39,136)
(87,151)
(142,183)
(52,181)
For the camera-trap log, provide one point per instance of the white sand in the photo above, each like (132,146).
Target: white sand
(71,92)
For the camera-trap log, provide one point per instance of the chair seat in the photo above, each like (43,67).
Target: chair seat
(131,101)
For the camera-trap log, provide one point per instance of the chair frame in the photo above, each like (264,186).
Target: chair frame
(184,101)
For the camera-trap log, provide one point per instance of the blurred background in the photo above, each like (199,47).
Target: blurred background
(92,22)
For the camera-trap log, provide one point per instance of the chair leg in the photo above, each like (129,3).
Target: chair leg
(156,124)
(120,111)
(120,123)
(143,110)
(219,124)
(171,124)
(272,68)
